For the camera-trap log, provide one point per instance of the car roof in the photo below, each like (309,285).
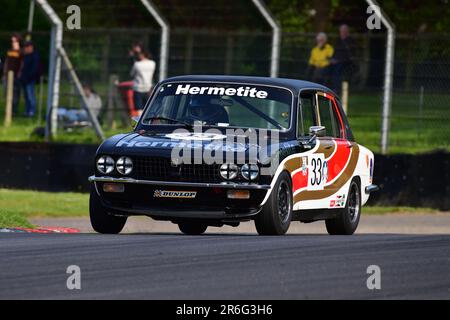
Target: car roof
(292,84)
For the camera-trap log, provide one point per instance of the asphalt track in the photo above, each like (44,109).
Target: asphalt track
(224,266)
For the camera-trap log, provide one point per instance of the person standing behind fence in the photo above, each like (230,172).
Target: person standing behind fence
(135,50)
(142,73)
(93,100)
(28,75)
(342,60)
(319,60)
(13,62)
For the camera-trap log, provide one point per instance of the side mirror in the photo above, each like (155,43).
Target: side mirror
(317,131)
(135,120)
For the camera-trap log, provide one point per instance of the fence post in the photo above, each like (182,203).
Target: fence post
(41,97)
(165,37)
(345,96)
(98,130)
(110,112)
(9,98)
(276,37)
(388,74)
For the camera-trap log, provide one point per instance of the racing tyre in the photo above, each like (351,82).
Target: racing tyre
(192,228)
(101,220)
(276,215)
(347,219)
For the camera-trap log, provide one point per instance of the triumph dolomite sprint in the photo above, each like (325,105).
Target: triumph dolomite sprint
(220,150)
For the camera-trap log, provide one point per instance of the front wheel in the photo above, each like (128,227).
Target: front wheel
(276,215)
(192,228)
(347,220)
(101,220)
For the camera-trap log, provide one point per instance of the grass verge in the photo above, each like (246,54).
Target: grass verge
(19,205)
(13,220)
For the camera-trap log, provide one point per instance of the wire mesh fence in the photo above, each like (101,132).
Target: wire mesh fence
(421,98)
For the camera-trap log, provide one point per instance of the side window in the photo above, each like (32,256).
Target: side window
(306,114)
(328,117)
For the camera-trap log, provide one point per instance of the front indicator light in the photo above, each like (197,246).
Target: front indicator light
(238,194)
(113,187)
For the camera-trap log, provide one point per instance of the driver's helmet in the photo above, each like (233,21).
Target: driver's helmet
(206,108)
(199,105)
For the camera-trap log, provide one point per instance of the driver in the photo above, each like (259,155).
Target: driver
(203,109)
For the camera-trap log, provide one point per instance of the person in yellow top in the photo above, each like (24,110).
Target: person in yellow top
(319,60)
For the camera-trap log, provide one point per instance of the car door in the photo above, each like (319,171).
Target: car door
(330,163)
(336,147)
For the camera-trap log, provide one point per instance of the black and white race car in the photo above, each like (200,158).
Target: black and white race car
(219,150)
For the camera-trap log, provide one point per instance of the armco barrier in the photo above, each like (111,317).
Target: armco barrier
(46,166)
(421,180)
(407,180)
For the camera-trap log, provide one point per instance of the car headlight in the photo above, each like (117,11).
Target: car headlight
(124,165)
(229,171)
(250,171)
(105,164)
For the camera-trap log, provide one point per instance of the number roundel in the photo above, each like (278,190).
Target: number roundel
(318,172)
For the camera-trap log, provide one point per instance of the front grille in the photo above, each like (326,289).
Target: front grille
(161,169)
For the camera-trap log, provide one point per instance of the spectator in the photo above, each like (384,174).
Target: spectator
(93,100)
(135,50)
(142,73)
(342,59)
(319,60)
(28,75)
(13,62)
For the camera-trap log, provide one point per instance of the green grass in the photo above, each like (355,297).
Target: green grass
(377,210)
(16,206)
(19,205)
(13,220)
(408,133)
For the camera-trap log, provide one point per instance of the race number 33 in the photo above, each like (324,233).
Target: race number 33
(318,171)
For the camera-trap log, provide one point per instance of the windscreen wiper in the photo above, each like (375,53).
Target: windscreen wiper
(169,119)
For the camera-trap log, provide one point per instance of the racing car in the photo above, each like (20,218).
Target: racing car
(221,150)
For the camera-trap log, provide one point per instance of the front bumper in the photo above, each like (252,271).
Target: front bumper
(226,185)
(210,202)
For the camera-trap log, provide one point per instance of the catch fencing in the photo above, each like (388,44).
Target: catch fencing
(420,114)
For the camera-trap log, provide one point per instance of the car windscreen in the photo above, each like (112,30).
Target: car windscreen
(220,104)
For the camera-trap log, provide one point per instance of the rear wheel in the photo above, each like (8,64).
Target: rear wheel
(101,220)
(192,228)
(276,215)
(347,220)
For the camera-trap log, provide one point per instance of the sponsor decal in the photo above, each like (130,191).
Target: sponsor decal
(304,167)
(175,194)
(195,136)
(339,202)
(221,91)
